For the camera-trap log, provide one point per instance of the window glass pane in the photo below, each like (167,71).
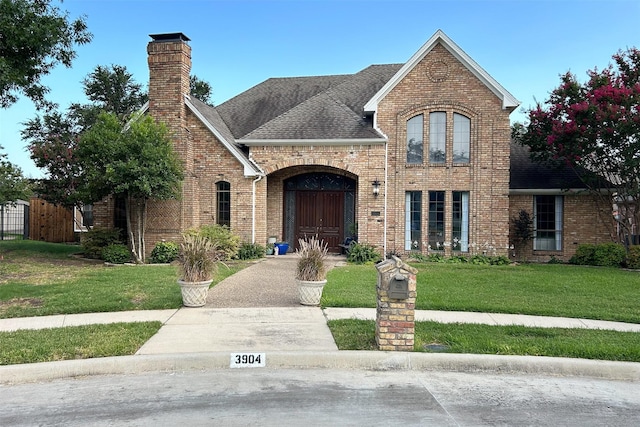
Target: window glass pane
(414,139)
(548,223)
(87,216)
(223,203)
(437,137)
(413,220)
(461,138)
(460,221)
(436,220)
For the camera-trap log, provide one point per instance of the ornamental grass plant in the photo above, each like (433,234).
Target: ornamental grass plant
(197,260)
(311,266)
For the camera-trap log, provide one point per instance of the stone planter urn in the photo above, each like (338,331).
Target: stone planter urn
(310,292)
(194,294)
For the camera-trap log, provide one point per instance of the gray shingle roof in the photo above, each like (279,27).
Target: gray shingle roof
(321,107)
(528,175)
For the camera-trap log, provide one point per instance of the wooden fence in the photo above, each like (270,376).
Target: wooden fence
(50,223)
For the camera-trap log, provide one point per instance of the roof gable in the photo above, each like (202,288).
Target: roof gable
(508,100)
(211,119)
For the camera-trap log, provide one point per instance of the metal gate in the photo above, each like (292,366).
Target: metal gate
(14,221)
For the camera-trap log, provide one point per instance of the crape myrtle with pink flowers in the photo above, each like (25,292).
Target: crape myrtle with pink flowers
(594,128)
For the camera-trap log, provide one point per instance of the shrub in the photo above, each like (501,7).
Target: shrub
(226,243)
(363,253)
(610,255)
(584,254)
(116,253)
(251,251)
(419,257)
(436,257)
(96,239)
(164,252)
(499,260)
(633,257)
(603,255)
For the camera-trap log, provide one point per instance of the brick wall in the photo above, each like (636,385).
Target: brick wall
(364,163)
(452,89)
(584,221)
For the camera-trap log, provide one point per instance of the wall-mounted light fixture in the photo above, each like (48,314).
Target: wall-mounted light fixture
(376,187)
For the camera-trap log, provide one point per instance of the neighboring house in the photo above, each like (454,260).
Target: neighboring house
(417,155)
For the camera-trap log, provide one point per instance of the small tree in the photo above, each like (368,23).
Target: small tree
(136,162)
(522,226)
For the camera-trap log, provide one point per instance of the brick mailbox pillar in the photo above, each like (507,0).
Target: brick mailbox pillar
(395,313)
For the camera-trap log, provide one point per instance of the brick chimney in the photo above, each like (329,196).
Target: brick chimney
(169,58)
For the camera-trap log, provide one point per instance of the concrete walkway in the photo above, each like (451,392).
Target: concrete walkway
(257,310)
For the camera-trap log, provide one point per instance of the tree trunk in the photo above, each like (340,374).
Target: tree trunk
(136,212)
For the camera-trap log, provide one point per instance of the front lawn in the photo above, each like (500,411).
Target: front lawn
(39,279)
(75,342)
(535,289)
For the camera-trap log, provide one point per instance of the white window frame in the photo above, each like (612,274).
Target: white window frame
(549,244)
(78,220)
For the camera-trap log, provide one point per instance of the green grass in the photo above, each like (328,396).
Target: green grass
(40,279)
(31,248)
(353,334)
(535,289)
(75,342)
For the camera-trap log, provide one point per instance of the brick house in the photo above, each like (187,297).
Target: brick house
(417,155)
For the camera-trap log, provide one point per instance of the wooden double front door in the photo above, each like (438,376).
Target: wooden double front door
(321,214)
(319,204)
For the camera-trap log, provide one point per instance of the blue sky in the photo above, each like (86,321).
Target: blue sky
(524,45)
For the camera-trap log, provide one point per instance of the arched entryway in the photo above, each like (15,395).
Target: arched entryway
(319,203)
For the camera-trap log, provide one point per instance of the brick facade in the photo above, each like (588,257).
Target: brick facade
(438,82)
(584,221)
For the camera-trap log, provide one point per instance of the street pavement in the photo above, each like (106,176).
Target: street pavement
(256,311)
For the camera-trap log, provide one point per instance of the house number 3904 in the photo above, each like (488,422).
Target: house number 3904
(248,360)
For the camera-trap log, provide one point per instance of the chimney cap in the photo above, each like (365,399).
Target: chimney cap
(169,37)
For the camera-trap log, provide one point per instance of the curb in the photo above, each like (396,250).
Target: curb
(366,360)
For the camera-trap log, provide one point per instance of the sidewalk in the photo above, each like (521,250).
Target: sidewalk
(221,318)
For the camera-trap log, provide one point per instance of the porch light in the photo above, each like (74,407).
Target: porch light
(376,187)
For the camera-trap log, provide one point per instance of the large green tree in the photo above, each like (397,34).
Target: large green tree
(53,138)
(594,128)
(34,37)
(109,89)
(136,162)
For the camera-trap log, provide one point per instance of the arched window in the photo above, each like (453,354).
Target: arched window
(223,203)
(437,137)
(461,138)
(414,139)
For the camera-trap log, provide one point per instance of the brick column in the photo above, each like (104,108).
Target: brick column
(395,314)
